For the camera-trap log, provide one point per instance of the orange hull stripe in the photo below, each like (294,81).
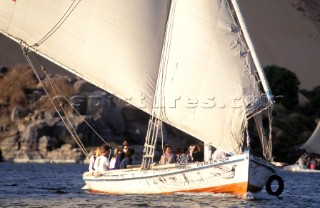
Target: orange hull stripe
(236,188)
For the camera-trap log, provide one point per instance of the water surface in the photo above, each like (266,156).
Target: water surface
(59,185)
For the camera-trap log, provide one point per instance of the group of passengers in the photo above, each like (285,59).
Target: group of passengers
(104,159)
(311,161)
(194,153)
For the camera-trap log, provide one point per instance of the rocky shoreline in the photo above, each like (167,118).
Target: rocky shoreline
(31,130)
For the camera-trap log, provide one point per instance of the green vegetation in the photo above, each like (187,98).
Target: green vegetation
(312,108)
(283,83)
(293,123)
(15,84)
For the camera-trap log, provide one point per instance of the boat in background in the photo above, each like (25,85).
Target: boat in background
(190,64)
(298,168)
(310,160)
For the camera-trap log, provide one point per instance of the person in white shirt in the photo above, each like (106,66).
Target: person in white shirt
(97,154)
(219,155)
(114,158)
(92,159)
(102,162)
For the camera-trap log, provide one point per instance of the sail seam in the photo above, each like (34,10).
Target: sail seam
(164,63)
(59,23)
(11,16)
(155,124)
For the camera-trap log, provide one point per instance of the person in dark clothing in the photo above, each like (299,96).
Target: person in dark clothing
(184,157)
(197,153)
(120,156)
(127,159)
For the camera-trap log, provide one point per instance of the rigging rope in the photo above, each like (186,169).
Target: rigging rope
(72,132)
(64,17)
(73,108)
(150,143)
(263,107)
(269,144)
(60,104)
(25,47)
(158,103)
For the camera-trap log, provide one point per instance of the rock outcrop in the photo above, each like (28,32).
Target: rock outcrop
(33,131)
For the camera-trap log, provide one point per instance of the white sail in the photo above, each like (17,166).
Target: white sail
(313,143)
(116,45)
(195,57)
(207,74)
(182,61)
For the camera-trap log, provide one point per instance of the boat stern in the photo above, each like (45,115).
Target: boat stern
(260,171)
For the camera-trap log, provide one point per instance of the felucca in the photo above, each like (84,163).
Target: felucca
(188,63)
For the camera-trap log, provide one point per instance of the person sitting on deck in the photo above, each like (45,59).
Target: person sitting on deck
(127,159)
(198,153)
(219,154)
(125,142)
(177,152)
(121,156)
(184,157)
(113,160)
(97,154)
(102,162)
(92,159)
(167,157)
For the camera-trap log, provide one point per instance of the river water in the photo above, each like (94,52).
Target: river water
(59,185)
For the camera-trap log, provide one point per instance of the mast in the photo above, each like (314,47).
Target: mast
(252,49)
(265,138)
(128,54)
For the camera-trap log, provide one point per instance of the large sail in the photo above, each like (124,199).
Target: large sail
(208,84)
(313,143)
(115,45)
(191,51)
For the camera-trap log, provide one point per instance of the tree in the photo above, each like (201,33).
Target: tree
(284,83)
(312,109)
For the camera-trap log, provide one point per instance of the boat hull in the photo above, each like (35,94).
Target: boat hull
(259,172)
(231,175)
(297,168)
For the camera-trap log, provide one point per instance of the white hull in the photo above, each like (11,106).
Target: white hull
(235,175)
(297,168)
